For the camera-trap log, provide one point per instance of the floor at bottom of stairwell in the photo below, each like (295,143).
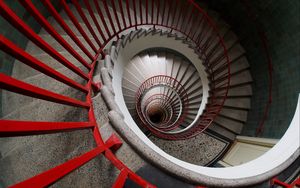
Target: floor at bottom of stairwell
(199,150)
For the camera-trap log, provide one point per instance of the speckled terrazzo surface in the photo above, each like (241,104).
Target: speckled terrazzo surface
(199,150)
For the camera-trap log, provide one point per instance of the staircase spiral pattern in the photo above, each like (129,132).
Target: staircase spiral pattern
(163,86)
(73,59)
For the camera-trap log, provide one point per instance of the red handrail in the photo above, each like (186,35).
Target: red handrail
(96,51)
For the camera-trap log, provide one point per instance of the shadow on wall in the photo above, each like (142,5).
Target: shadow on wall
(279,20)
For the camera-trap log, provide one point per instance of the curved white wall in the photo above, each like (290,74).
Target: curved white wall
(266,166)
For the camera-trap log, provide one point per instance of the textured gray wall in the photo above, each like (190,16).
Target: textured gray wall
(279,19)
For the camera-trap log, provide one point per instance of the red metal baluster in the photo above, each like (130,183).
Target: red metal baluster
(17,128)
(141,12)
(86,22)
(135,14)
(128,13)
(201,24)
(147,11)
(48,177)
(163,14)
(169,12)
(69,31)
(109,16)
(116,15)
(76,23)
(122,13)
(152,12)
(188,23)
(40,18)
(131,175)
(174,14)
(180,14)
(121,179)
(14,85)
(13,19)
(158,7)
(89,8)
(102,18)
(10,48)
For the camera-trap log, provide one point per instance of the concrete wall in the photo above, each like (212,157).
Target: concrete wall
(280,21)
(7,30)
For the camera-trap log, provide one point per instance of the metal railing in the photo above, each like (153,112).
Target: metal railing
(175,15)
(162,81)
(276,182)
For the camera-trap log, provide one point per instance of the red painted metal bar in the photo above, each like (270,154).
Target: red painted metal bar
(209,42)
(280,183)
(141,12)
(169,12)
(174,13)
(135,14)
(109,16)
(13,19)
(91,113)
(163,14)
(51,176)
(121,179)
(86,21)
(180,13)
(68,30)
(122,13)
(158,7)
(147,11)
(199,36)
(187,18)
(10,48)
(152,12)
(131,175)
(76,23)
(16,128)
(98,9)
(97,135)
(40,18)
(13,85)
(205,35)
(294,184)
(128,13)
(89,8)
(194,19)
(116,15)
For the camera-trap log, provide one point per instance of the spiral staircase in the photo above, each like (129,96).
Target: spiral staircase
(120,78)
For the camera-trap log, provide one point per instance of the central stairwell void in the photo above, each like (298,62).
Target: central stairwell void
(99,90)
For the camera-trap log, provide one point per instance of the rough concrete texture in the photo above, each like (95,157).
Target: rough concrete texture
(26,156)
(100,172)
(108,63)
(12,101)
(160,179)
(107,79)
(109,100)
(100,110)
(126,154)
(199,150)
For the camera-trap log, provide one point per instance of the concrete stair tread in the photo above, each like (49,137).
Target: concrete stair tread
(221,132)
(230,124)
